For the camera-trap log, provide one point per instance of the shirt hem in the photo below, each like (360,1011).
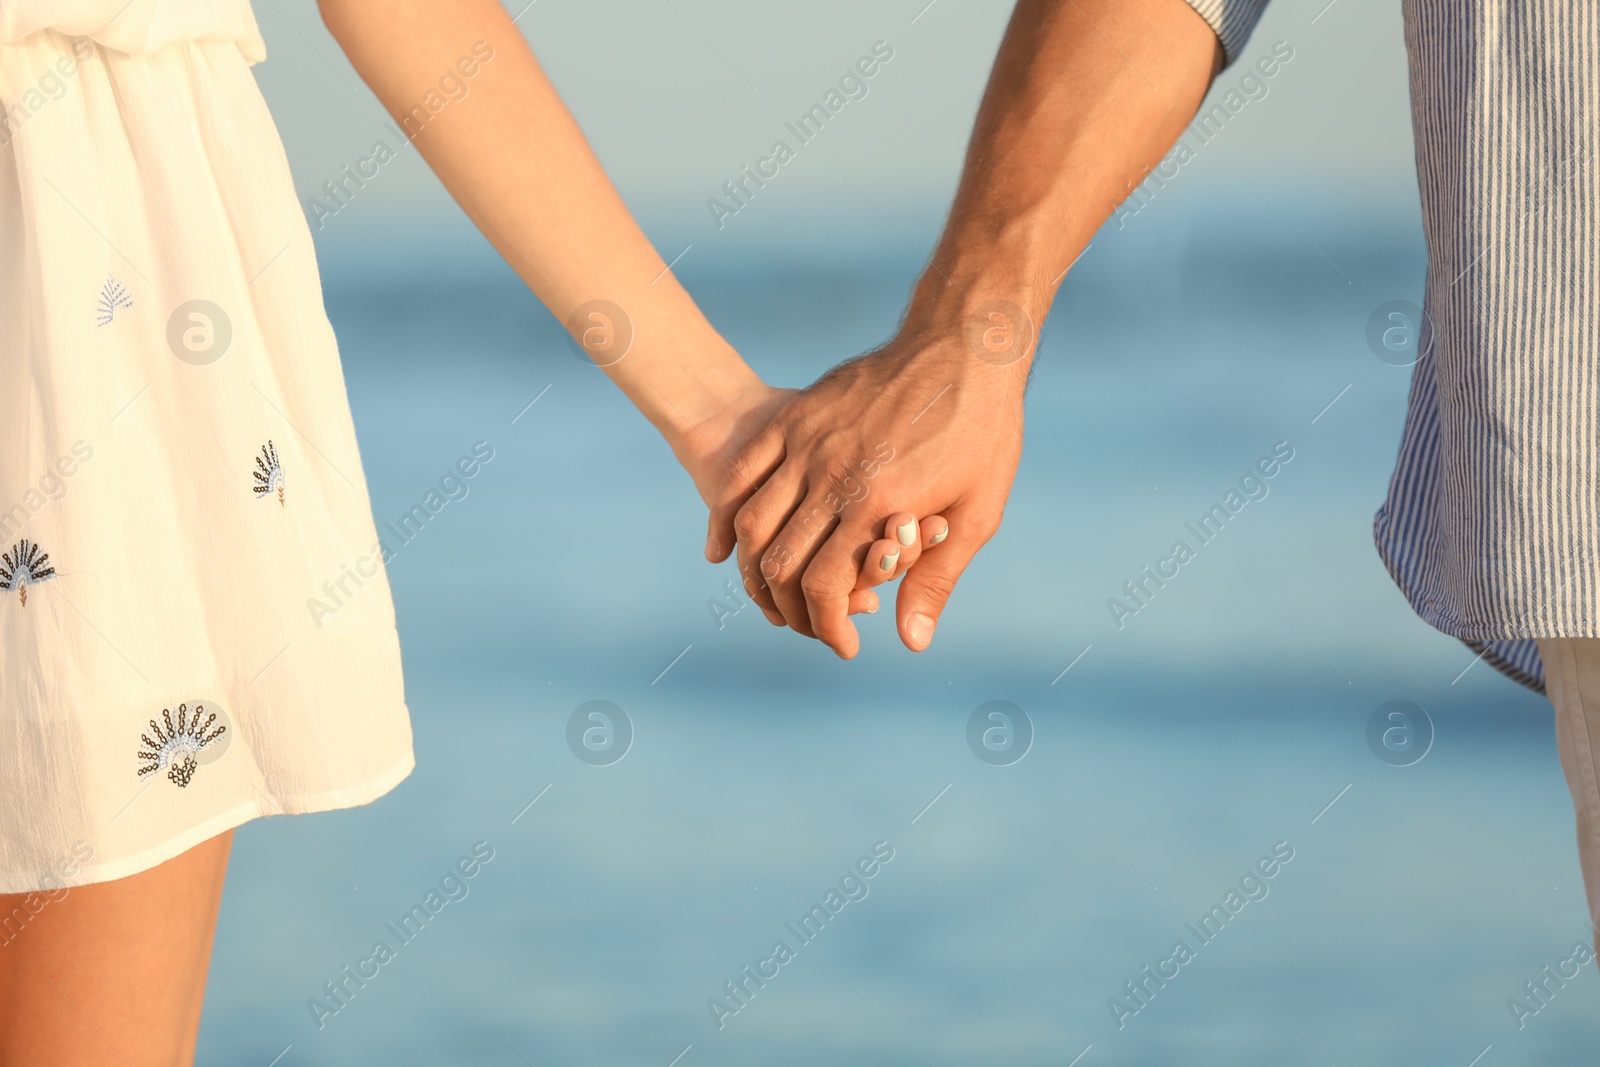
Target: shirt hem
(1482,638)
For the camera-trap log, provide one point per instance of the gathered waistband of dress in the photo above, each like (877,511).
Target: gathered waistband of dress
(136,27)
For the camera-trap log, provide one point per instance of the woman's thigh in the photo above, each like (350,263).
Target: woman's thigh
(112,973)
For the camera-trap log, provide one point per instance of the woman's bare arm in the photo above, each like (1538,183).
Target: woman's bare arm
(517,163)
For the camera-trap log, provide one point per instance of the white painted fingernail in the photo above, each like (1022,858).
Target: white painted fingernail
(940,536)
(890,561)
(906,532)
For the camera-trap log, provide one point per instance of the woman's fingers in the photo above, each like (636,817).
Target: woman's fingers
(863,602)
(905,532)
(890,557)
(896,551)
(882,563)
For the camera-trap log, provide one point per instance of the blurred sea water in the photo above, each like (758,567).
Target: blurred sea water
(1225,720)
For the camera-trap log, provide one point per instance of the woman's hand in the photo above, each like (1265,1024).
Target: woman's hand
(707,448)
(922,428)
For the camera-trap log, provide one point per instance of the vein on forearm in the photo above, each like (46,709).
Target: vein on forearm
(1085,96)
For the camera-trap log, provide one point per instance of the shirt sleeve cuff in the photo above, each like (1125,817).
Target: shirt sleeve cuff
(1232,20)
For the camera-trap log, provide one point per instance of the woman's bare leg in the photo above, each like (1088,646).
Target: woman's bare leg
(114,973)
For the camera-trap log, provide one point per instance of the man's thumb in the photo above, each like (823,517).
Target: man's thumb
(927,586)
(720,537)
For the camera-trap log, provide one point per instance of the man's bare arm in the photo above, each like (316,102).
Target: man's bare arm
(1085,96)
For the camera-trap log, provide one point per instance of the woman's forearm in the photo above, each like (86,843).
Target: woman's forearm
(512,156)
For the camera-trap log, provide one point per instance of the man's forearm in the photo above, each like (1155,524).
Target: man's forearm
(1085,97)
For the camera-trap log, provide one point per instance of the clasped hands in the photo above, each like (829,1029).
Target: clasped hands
(893,465)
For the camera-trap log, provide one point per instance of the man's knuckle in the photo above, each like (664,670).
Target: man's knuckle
(753,584)
(817,586)
(746,523)
(939,586)
(841,477)
(742,470)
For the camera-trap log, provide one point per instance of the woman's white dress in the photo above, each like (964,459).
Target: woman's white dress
(195,624)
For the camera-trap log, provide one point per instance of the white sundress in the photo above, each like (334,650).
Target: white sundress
(195,624)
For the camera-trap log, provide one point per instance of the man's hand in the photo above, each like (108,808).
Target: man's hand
(1084,98)
(919,428)
(708,450)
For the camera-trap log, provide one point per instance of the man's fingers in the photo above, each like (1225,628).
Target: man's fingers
(927,586)
(862,602)
(751,467)
(789,555)
(828,585)
(757,522)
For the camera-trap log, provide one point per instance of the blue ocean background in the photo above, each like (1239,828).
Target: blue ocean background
(1227,717)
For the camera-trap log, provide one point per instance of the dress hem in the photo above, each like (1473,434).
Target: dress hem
(332,800)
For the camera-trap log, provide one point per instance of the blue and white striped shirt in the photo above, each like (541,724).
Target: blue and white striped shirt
(1491,528)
